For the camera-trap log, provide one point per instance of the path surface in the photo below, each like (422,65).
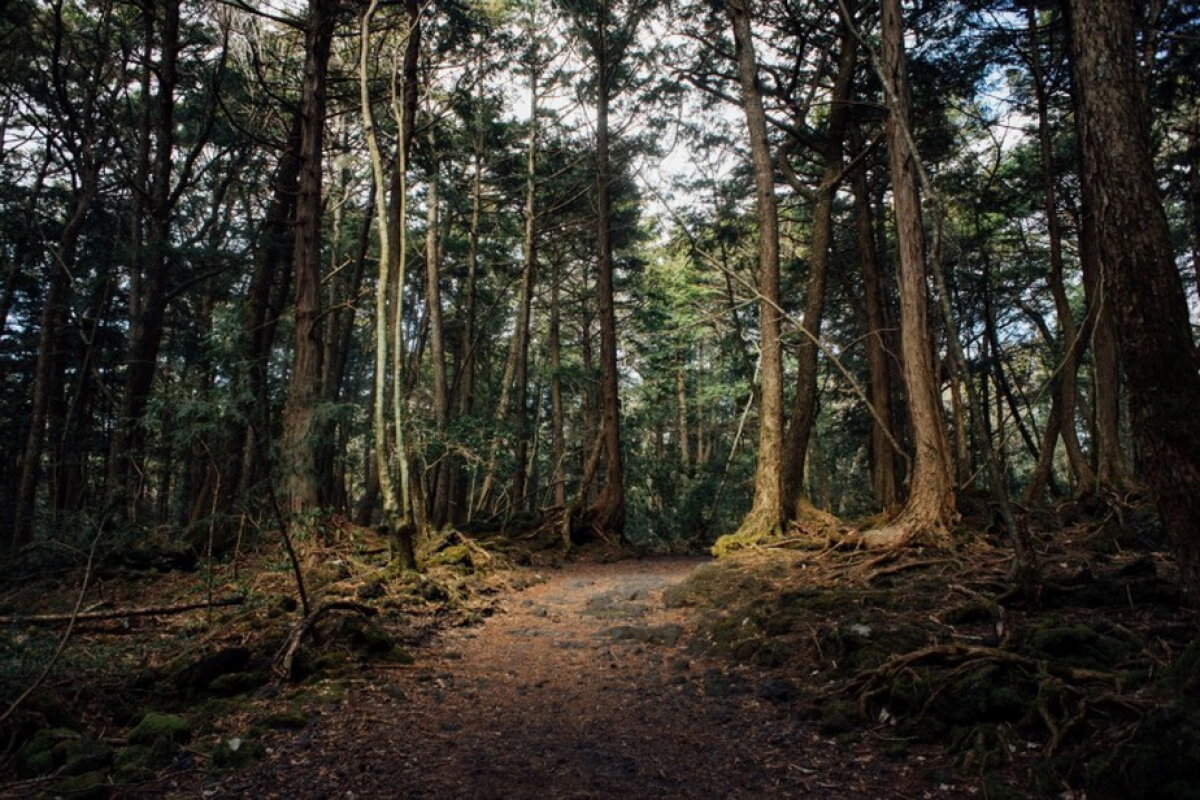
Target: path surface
(579,687)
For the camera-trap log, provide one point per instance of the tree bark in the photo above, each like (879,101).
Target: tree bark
(1140,277)
(303,424)
(766,514)
(606,515)
(799,430)
(147,299)
(930,507)
(883,459)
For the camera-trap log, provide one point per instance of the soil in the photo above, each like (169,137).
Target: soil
(581,686)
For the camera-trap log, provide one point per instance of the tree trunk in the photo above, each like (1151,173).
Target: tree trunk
(304,425)
(1140,276)
(883,459)
(556,393)
(929,509)
(147,299)
(799,430)
(49,368)
(439,494)
(391,470)
(606,515)
(766,514)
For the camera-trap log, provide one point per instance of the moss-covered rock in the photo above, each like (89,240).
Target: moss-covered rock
(38,756)
(138,762)
(88,786)
(156,725)
(234,683)
(456,555)
(237,752)
(1096,646)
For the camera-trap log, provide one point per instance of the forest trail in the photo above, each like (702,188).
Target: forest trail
(582,686)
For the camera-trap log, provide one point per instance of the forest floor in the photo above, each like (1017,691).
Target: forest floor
(579,687)
(775,672)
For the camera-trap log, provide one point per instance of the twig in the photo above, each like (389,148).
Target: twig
(152,611)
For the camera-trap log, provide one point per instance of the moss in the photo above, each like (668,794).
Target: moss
(456,555)
(156,726)
(38,756)
(234,683)
(137,763)
(1097,646)
(88,786)
(838,716)
(237,753)
(747,538)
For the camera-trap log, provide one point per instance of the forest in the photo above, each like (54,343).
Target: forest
(373,372)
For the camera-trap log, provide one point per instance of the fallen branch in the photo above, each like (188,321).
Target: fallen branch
(285,660)
(93,616)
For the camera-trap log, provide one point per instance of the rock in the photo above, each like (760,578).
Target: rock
(155,726)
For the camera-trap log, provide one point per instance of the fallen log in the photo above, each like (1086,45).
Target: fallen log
(93,616)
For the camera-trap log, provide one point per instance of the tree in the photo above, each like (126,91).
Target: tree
(1141,280)
(930,506)
(766,514)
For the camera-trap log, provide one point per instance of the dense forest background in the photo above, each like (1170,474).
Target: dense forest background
(427,264)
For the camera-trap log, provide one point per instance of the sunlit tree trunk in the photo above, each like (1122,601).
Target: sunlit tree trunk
(1141,280)
(390,455)
(930,507)
(766,514)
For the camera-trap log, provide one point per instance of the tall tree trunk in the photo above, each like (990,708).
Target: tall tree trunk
(1070,351)
(438,510)
(148,298)
(765,517)
(529,248)
(883,459)
(804,406)
(391,458)
(607,513)
(48,371)
(930,508)
(304,422)
(1140,277)
(264,303)
(556,393)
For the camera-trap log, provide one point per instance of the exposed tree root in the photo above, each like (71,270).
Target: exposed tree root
(285,661)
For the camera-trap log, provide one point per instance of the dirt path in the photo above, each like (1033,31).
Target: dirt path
(580,687)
